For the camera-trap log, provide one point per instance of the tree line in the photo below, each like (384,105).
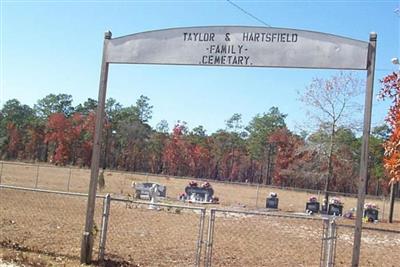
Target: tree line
(263,151)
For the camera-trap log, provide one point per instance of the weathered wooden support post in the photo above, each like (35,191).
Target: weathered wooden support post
(87,239)
(362,184)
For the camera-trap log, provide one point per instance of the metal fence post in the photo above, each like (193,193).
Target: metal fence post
(328,250)
(258,188)
(332,243)
(69,178)
(383,209)
(104,226)
(323,243)
(1,171)
(210,237)
(37,176)
(200,237)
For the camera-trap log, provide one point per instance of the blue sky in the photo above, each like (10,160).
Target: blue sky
(55,47)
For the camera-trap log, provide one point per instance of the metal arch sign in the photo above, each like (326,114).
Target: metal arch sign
(239,46)
(235,46)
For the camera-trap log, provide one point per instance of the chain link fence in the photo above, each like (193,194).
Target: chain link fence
(154,234)
(241,238)
(43,221)
(52,222)
(379,247)
(135,233)
(233,195)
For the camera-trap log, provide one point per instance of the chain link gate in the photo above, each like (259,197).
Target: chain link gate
(51,221)
(151,234)
(328,245)
(247,238)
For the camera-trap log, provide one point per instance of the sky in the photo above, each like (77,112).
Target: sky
(56,46)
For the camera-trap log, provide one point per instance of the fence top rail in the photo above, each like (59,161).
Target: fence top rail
(370,228)
(156,204)
(274,214)
(46,191)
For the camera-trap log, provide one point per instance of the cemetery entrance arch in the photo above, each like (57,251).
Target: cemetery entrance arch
(236,46)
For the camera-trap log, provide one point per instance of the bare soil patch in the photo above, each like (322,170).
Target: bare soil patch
(40,227)
(119,183)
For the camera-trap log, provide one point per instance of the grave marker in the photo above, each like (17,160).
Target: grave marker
(371,215)
(199,194)
(272,201)
(142,190)
(312,206)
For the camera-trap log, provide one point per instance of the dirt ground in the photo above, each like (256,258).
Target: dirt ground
(46,228)
(19,257)
(24,257)
(119,183)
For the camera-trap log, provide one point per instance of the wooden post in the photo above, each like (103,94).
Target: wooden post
(87,239)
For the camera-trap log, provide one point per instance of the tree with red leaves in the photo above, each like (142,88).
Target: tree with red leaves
(81,134)
(287,148)
(59,138)
(34,142)
(14,140)
(176,153)
(391,89)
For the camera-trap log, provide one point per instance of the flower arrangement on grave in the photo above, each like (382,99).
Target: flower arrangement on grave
(215,200)
(371,206)
(336,201)
(370,212)
(273,194)
(313,199)
(350,213)
(193,184)
(206,185)
(182,196)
